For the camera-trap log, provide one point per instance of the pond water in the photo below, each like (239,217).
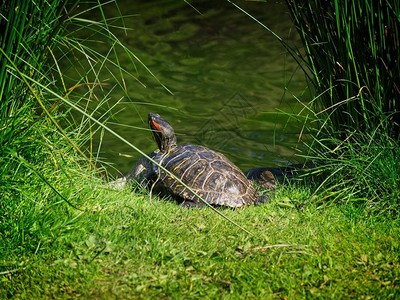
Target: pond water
(229,77)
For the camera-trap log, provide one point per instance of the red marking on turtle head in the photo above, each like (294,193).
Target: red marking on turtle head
(157,126)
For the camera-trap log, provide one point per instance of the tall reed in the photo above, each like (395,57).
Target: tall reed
(353,51)
(352,54)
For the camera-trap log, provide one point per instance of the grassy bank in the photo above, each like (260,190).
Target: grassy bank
(126,247)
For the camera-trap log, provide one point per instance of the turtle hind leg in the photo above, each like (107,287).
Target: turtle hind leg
(191,204)
(262,199)
(188,203)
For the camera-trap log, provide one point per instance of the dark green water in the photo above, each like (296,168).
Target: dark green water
(228,76)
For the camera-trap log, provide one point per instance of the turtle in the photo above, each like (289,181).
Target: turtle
(216,165)
(208,173)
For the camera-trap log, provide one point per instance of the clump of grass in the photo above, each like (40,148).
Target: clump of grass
(363,172)
(41,141)
(352,53)
(28,128)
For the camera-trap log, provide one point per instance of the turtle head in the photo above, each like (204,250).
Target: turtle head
(162,132)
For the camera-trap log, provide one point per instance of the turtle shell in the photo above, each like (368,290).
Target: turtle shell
(210,174)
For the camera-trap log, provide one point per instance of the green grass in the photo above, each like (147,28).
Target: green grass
(364,172)
(125,247)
